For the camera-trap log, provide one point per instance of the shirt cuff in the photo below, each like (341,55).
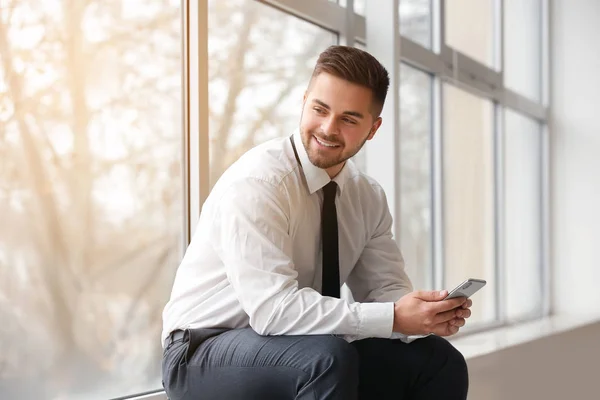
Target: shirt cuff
(376,320)
(407,338)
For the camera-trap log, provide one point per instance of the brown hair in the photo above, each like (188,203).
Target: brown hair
(356,66)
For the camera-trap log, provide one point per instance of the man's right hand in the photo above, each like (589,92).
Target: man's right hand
(425,312)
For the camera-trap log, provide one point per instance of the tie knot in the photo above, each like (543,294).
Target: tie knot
(330,190)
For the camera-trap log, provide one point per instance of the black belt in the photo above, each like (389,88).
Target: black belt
(175,336)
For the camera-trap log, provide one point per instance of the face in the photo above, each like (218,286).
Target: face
(336,121)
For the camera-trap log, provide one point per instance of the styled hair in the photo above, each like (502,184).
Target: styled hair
(356,66)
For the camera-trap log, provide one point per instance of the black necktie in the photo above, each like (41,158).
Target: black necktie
(329,239)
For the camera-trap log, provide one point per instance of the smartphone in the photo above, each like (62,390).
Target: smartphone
(466,289)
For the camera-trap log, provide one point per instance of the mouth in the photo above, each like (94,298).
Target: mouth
(326,144)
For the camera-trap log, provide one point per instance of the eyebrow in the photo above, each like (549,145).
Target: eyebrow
(351,113)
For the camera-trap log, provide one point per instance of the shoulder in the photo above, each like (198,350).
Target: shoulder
(270,162)
(260,173)
(367,186)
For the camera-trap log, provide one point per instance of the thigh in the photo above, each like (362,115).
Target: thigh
(240,364)
(246,348)
(392,369)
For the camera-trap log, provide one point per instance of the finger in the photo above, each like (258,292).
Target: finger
(450,315)
(447,304)
(444,329)
(462,313)
(467,304)
(458,322)
(444,317)
(430,295)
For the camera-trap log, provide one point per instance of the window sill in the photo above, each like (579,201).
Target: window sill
(482,343)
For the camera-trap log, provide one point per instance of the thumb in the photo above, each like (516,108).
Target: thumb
(431,295)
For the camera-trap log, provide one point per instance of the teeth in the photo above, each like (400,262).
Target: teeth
(325,144)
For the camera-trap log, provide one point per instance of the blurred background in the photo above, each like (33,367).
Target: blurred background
(118,116)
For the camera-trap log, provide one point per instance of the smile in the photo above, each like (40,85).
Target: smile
(326,144)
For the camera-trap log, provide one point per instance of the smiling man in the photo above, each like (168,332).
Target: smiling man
(333,135)
(255,311)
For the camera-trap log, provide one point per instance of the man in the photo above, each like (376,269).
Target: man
(255,311)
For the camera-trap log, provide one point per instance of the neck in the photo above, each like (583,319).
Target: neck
(333,171)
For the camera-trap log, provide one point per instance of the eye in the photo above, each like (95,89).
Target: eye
(349,121)
(319,110)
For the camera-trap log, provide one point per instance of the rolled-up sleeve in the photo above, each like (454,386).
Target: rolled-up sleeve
(252,238)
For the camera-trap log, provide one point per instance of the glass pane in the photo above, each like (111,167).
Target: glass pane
(90,194)
(415,21)
(522,211)
(415,174)
(470,28)
(469,195)
(260,62)
(359,6)
(522,47)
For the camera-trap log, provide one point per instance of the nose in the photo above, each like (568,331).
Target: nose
(329,126)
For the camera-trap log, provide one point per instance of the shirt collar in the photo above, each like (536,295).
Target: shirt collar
(317,177)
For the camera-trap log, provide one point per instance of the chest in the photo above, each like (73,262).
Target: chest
(305,231)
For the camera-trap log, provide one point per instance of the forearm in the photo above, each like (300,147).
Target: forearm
(306,312)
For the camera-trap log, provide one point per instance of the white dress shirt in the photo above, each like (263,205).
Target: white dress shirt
(255,257)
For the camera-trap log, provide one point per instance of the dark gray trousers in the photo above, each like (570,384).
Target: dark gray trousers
(240,364)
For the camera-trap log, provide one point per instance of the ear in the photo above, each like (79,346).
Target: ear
(304,97)
(374,128)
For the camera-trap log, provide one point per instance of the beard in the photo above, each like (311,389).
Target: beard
(319,158)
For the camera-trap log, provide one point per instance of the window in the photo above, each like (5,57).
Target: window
(468,206)
(260,62)
(469,28)
(523,215)
(415,21)
(415,18)
(469,238)
(415,174)
(522,47)
(90,194)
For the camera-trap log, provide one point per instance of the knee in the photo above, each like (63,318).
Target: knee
(456,359)
(455,365)
(337,356)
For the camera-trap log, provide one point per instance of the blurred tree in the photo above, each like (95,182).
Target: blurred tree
(91,220)
(257,76)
